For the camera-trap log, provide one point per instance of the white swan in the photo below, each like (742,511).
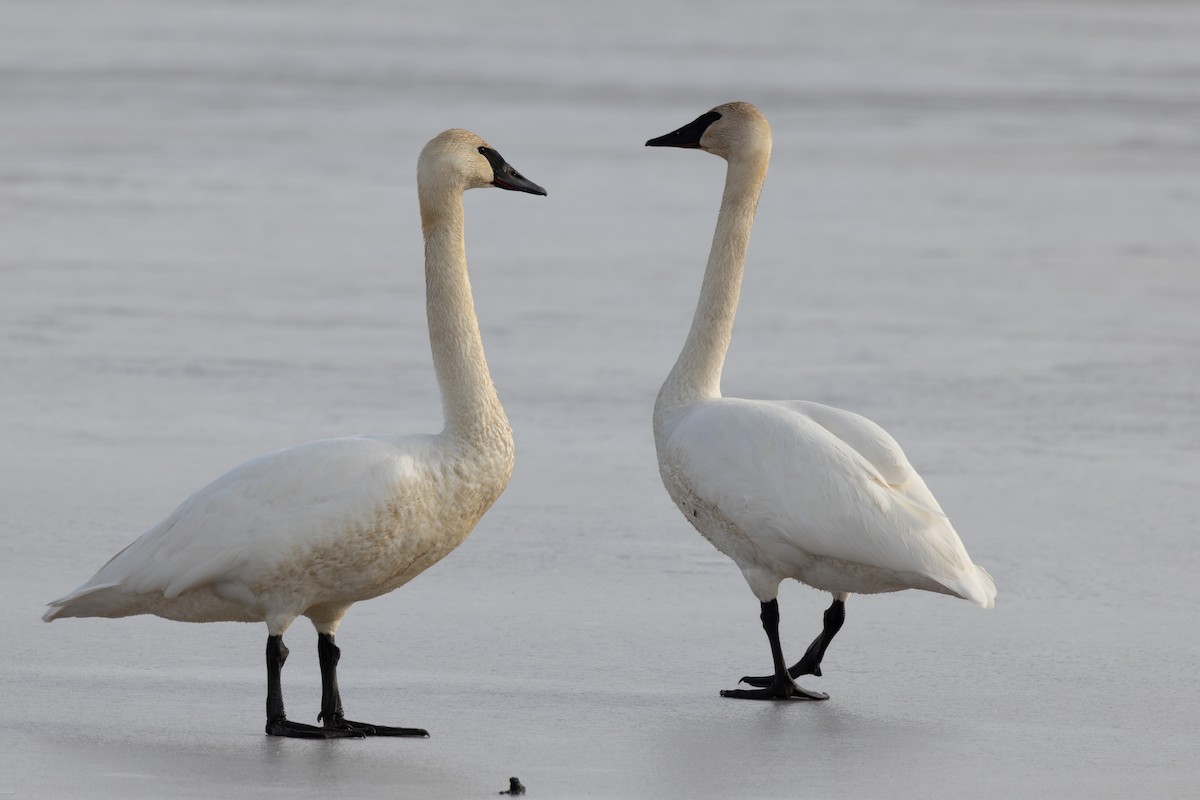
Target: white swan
(311,529)
(789,489)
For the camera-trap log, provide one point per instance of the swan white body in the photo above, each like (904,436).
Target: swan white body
(802,490)
(310,530)
(789,489)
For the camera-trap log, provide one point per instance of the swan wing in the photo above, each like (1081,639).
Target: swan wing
(788,482)
(257,516)
(876,446)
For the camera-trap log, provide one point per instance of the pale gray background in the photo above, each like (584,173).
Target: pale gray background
(981,228)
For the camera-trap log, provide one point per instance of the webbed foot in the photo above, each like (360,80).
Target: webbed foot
(366,729)
(783,690)
(281,726)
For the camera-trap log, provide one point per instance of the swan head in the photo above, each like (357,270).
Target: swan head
(730,130)
(460,160)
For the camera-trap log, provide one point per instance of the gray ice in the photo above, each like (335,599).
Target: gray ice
(979,230)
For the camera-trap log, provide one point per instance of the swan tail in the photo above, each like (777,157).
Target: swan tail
(102,600)
(977,586)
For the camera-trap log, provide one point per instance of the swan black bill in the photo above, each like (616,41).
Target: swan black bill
(505,177)
(687,136)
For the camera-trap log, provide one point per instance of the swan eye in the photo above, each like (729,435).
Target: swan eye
(495,159)
(505,177)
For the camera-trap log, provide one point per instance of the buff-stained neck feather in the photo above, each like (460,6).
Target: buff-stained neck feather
(469,401)
(697,371)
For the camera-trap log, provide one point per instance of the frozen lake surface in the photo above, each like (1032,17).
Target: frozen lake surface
(980,229)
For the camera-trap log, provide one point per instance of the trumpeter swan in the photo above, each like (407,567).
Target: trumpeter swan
(310,530)
(789,489)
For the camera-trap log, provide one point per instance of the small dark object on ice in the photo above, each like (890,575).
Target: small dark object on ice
(515,787)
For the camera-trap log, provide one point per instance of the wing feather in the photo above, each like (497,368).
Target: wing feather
(255,516)
(806,479)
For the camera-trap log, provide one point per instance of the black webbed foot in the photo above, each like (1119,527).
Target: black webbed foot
(780,686)
(331,700)
(805,666)
(810,663)
(365,729)
(298,730)
(772,691)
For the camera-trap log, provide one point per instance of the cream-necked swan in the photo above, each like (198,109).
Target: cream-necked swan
(789,489)
(310,530)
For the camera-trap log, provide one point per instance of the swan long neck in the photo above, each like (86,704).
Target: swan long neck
(470,404)
(697,371)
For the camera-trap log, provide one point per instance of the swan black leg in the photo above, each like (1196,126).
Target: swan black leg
(810,664)
(780,686)
(331,700)
(277,722)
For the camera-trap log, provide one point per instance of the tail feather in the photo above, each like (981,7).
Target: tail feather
(978,587)
(89,601)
